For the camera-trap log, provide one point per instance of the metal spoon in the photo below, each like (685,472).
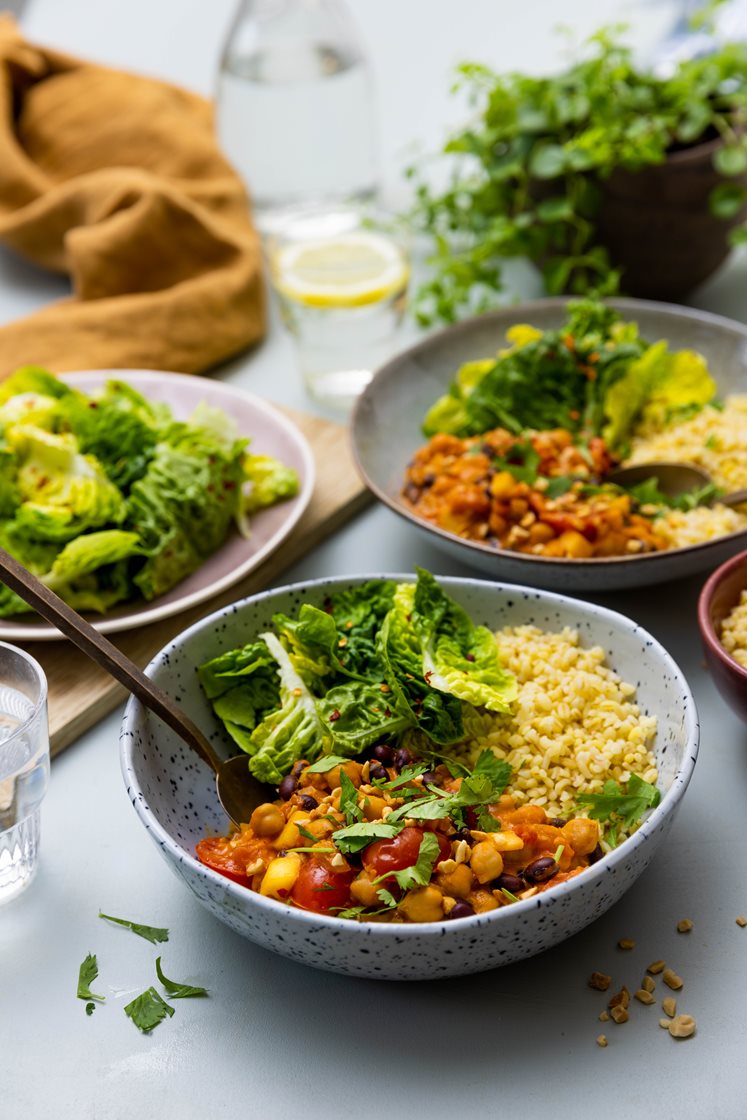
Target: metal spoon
(673,479)
(239,792)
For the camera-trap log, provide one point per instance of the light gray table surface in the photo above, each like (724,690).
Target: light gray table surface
(276,1039)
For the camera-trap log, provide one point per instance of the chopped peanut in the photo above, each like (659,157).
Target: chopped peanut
(644,997)
(620,999)
(672,980)
(626,943)
(669,1006)
(741,921)
(600,981)
(604,1017)
(619,1014)
(648,984)
(684,925)
(601,1040)
(656,967)
(682,1026)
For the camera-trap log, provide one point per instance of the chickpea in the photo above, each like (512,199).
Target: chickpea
(267,820)
(424,904)
(457,883)
(582,835)
(486,861)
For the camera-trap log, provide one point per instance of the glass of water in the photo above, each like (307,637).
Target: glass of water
(341,275)
(24,767)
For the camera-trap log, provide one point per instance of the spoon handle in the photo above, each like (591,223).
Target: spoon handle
(100,650)
(735,498)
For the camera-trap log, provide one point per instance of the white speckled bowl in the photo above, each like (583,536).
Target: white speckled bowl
(173,793)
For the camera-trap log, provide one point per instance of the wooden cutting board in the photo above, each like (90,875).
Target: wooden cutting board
(80,693)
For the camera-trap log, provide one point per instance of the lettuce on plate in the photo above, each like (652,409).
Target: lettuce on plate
(381,662)
(105,496)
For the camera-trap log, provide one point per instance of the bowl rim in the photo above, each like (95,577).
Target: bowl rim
(281,910)
(705,618)
(390,371)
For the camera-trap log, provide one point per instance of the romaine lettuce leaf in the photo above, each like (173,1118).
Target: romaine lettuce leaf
(458,657)
(60,488)
(437,714)
(269,481)
(293,731)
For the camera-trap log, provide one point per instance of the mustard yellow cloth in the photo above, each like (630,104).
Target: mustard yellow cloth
(118,181)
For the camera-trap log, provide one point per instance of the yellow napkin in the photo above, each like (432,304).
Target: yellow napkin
(118,181)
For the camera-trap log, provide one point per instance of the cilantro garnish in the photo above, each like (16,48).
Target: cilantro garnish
(618,808)
(483,786)
(175,990)
(90,1008)
(559,852)
(327,763)
(305,832)
(558,486)
(88,972)
(358,836)
(407,774)
(486,822)
(150,933)
(349,799)
(522,462)
(419,875)
(148,1010)
(511,897)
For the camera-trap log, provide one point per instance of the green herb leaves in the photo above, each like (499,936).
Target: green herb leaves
(151,933)
(618,808)
(175,990)
(148,1010)
(358,836)
(528,169)
(419,875)
(88,972)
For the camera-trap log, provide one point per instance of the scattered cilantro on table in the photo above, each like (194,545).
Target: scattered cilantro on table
(148,1010)
(150,933)
(88,972)
(176,990)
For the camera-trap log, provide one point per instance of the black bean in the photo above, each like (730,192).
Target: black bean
(299,766)
(307,802)
(287,787)
(460,834)
(540,870)
(508,882)
(429,778)
(557,822)
(383,753)
(461,909)
(402,758)
(377,773)
(596,855)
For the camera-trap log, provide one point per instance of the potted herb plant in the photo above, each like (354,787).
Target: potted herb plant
(606,176)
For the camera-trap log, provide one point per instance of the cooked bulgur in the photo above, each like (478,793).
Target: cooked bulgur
(734,631)
(575,723)
(713,439)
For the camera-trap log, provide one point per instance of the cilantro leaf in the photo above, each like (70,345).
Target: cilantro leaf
(497,769)
(358,836)
(407,774)
(88,972)
(327,763)
(486,822)
(90,1008)
(419,875)
(349,800)
(148,1010)
(558,486)
(150,933)
(619,808)
(305,832)
(387,898)
(429,808)
(175,990)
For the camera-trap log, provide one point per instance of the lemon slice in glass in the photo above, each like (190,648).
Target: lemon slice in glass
(351,270)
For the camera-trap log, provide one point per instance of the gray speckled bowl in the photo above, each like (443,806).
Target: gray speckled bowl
(386,431)
(173,793)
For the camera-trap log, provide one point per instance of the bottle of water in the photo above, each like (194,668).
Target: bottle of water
(295,107)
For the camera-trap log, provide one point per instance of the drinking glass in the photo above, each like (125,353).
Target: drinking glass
(341,275)
(24,767)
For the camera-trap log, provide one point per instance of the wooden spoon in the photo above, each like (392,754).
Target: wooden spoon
(673,479)
(239,792)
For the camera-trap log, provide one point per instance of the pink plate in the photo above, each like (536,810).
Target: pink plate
(270,433)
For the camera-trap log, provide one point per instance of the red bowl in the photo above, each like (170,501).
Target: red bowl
(720,594)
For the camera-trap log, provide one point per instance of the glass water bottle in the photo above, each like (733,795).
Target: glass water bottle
(295,107)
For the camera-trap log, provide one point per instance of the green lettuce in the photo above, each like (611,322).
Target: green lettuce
(458,657)
(90,573)
(357,715)
(293,731)
(242,685)
(270,481)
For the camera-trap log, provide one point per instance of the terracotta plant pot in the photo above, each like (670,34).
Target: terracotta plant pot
(658,228)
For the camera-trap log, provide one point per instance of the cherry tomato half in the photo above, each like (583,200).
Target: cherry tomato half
(385,856)
(221,855)
(321,887)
